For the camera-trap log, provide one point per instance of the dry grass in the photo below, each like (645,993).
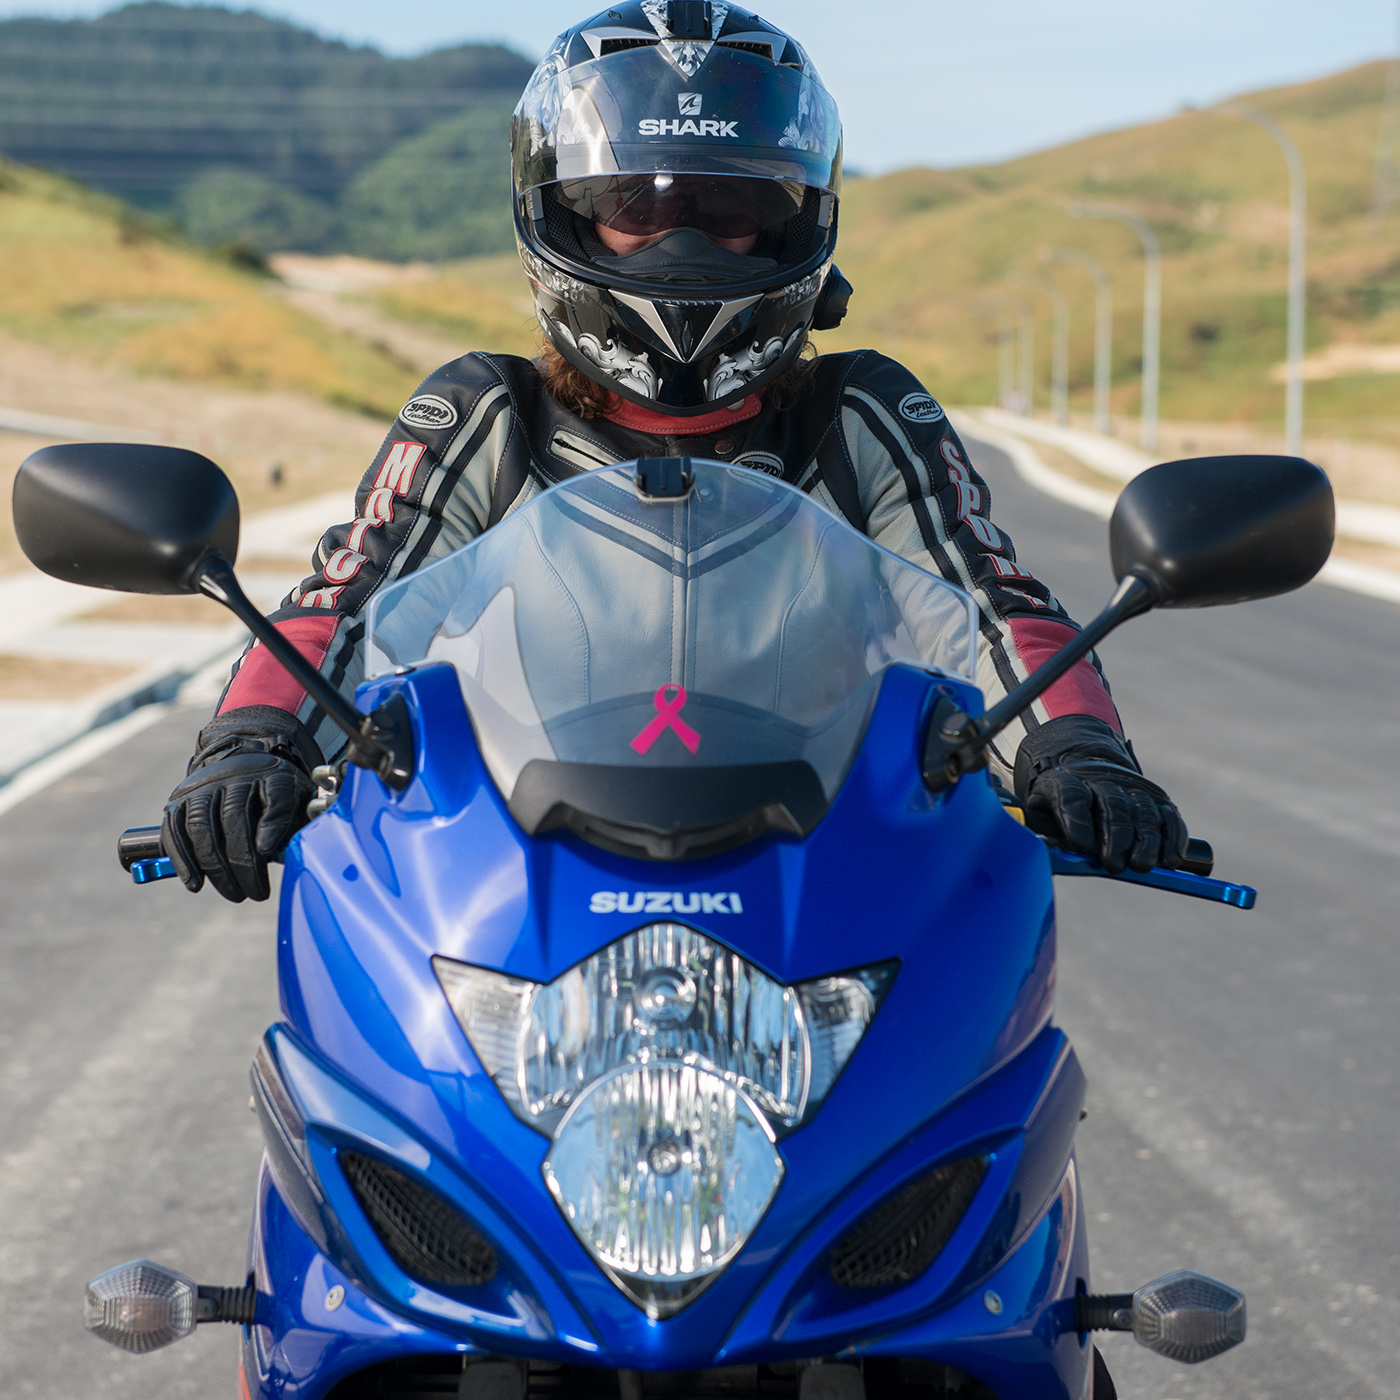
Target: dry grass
(318,447)
(38,678)
(184,610)
(86,278)
(481,303)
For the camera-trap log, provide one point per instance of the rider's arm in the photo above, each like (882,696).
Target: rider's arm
(922,499)
(428,492)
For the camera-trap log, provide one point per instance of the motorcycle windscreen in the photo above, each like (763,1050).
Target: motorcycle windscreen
(670,677)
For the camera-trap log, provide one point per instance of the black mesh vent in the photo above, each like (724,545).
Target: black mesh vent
(801,231)
(607,46)
(749,46)
(899,1239)
(424,1235)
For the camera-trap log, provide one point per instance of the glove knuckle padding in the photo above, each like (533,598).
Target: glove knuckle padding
(1123,817)
(244,798)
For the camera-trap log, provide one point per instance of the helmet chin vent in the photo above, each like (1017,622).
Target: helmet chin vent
(607,46)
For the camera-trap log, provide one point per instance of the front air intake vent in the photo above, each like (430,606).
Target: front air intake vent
(424,1236)
(607,46)
(900,1238)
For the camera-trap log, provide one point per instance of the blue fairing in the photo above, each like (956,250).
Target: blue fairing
(960,1059)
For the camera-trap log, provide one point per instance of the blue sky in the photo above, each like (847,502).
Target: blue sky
(949,82)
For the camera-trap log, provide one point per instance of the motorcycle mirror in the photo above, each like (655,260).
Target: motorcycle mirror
(117,515)
(1214,530)
(143,519)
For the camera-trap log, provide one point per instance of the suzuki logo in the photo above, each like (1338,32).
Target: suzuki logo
(690,104)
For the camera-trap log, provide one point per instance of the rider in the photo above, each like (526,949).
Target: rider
(677,171)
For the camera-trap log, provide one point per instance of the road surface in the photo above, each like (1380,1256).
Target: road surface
(1243,1109)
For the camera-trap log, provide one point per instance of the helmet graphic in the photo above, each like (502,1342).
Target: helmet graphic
(699,121)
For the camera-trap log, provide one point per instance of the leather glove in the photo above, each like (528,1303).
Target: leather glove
(244,798)
(1078,770)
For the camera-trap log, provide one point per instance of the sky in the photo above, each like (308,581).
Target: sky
(947,82)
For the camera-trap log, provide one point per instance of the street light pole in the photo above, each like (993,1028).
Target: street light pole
(1006,356)
(1026,356)
(1151,309)
(1103,329)
(1059,350)
(1297,286)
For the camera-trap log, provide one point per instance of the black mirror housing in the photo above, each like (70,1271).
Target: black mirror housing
(1212,530)
(123,516)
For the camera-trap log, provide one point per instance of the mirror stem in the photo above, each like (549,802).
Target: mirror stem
(957,744)
(372,745)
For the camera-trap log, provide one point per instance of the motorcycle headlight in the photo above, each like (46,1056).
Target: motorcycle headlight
(664,1068)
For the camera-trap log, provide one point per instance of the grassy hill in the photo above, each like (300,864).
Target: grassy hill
(930,253)
(247,128)
(88,277)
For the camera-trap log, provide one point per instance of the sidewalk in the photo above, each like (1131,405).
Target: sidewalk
(1117,462)
(74,659)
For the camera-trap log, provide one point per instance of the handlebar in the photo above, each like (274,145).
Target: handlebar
(140,851)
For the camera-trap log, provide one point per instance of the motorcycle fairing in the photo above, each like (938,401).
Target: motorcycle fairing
(1036,1277)
(384,881)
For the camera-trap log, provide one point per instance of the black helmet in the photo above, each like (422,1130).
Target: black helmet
(697,117)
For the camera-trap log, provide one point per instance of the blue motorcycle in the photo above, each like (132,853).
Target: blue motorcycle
(667,990)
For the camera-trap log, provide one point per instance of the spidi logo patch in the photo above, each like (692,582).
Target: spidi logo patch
(691,104)
(920,408)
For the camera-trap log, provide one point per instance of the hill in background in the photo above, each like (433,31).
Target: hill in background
(934,256)
(243,128)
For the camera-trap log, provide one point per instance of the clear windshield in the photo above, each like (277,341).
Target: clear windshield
(743,625)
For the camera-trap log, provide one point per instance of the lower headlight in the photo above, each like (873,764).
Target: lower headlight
(664,1067)
(663,1171)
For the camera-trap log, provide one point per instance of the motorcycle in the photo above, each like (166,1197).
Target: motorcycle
(667,990)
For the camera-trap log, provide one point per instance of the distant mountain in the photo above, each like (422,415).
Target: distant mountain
(245,127)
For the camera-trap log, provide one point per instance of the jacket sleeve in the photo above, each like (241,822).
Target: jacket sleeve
(427,493)
(920,498)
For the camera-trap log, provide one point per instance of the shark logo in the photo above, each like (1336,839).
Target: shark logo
(690,103)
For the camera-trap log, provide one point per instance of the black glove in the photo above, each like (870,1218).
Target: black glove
(244,799)
(1078,770)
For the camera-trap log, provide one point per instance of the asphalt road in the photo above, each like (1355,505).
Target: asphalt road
(1242,1120)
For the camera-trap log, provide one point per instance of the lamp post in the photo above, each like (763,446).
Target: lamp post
(1023,376)
(1006,356)
(1103,328)
(1151,309)
(1297,239)
(1059,350)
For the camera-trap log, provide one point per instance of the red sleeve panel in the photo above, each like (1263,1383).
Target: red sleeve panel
(1080,691)
(260,679)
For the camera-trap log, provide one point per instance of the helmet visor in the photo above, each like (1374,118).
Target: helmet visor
(632,113)
(721,206)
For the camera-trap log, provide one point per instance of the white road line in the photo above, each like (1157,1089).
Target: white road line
(93,744)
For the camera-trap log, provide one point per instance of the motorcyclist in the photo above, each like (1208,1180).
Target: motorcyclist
(677,168)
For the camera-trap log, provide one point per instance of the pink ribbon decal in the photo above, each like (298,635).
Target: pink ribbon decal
(668,716)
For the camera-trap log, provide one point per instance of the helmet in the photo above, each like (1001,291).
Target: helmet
(700,118)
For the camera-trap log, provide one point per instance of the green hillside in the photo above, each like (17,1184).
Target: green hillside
(931,253)
(91,279)
(245,128)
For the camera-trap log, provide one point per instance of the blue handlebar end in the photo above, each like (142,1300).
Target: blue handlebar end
(1177,881)
(144,871)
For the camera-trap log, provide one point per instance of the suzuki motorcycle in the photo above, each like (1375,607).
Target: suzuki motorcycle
(666,988)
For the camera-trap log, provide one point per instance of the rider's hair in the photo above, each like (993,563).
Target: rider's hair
(586,397)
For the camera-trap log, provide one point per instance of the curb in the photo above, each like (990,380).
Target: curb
(1357,520)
